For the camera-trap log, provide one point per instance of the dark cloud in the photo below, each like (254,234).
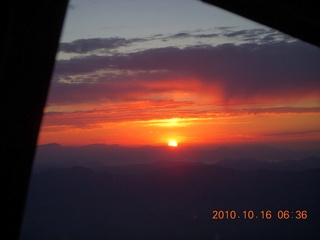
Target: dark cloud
(245,71)
(212,35)
(87,45)
(122,89)
(181,35)
(258,35)
(237,33)
(280,110)
(294,133)
(252,35)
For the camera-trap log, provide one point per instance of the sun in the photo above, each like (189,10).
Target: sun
(172,143)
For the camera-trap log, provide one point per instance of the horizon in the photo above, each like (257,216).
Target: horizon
(56,155)
(292,145)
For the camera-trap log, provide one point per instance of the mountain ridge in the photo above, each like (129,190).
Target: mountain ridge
(100,156)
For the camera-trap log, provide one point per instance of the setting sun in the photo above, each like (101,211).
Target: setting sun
(172,143)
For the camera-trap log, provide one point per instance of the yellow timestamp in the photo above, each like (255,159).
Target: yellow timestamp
(263,214)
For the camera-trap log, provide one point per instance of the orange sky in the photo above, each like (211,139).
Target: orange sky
(243,91)
(189,116)
(241,128)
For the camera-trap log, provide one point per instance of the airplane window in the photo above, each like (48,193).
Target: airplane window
(176,120)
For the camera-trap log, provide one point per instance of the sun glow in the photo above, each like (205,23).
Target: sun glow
(172,143)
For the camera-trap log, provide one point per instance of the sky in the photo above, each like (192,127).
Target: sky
(143,72)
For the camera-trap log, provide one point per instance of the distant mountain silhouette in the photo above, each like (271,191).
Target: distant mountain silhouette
(99,155)
(169,201)
(286,165)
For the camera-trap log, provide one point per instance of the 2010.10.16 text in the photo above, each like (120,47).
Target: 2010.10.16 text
(263,214)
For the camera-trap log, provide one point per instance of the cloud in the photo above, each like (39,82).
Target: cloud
(279,110)
(122,89)
(88,45)
(211,35)
(314,132)
(155,111)
(181,35)
(259,35)
(245,71)
(143,110)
